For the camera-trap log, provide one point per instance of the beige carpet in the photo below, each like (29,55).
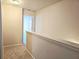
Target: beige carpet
(16,52)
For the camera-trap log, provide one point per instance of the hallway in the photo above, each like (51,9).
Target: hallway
(40,29)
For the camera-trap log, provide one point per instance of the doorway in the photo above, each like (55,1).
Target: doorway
(27,27)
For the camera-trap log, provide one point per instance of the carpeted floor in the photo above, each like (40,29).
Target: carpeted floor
(16,52)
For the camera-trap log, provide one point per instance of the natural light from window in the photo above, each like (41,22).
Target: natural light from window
(27,27)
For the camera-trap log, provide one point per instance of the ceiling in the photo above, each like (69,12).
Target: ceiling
(35,4)
(38,4)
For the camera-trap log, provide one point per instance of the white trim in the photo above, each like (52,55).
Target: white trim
(65,43)
(30,53)
(12,45)
(33,23)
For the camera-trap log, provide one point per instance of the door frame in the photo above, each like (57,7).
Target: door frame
(33,22)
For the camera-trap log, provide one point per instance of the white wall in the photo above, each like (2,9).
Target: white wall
(12,24)
(60,20)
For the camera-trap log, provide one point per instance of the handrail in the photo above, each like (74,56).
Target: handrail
(64,43)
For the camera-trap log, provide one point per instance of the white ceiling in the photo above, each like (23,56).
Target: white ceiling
(38,4)
(35,4)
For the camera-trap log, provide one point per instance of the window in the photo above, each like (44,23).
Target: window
(27,27)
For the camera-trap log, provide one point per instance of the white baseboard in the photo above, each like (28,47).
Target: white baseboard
(30,54)
(19,45)
(12,45)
